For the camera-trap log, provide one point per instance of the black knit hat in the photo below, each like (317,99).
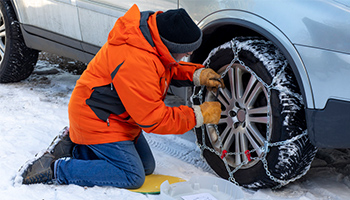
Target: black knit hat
(178,32)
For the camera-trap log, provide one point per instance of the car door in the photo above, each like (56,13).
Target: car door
(97,17)
(55,16)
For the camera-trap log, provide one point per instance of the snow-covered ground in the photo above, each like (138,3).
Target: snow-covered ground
(34,111)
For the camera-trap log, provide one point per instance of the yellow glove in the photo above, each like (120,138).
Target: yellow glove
(211,79)
(211,112)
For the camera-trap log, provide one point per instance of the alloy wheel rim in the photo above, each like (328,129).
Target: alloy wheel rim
(244,118)
(2,37)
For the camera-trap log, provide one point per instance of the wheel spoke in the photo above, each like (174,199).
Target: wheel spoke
(226,143)
(223,97)
(261,110)
(2,48)
(255,145)
(244,145)
(2,30)
(256,134)
(2,53)
(223,121)
(250,89)
(232,82)
(237,149)
(253,95)
(225,132)
(213,137)
(262,119)
(238,83)
(2,35)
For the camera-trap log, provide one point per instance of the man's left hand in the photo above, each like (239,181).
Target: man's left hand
(211,79)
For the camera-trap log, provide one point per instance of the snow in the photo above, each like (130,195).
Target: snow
(34,111)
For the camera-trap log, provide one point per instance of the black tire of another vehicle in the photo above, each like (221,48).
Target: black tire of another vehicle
(17,60)
(245,125)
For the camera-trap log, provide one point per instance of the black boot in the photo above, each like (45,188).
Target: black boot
(41,170)
(61,146)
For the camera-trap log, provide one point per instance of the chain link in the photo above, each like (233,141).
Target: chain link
(267,145)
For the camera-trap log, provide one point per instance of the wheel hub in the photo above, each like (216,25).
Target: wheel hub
(241,115)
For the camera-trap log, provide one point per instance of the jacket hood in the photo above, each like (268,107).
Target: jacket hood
(139,29)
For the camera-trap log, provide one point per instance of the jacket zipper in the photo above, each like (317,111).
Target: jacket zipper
(107,121)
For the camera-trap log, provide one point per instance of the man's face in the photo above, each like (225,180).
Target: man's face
(179,56)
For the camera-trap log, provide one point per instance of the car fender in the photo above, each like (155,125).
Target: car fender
(268,30)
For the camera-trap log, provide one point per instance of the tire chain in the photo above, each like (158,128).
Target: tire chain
(267,144)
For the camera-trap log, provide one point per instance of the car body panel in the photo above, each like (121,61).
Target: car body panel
(329,85)
(106,12)
(58,16)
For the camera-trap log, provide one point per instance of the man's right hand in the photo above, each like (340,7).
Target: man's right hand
(211,112)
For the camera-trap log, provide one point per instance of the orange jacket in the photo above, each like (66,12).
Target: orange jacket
(123,88)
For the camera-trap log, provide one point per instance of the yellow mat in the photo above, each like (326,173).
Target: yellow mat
(152,183)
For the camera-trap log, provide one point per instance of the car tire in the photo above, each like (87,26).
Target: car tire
(17,60)
(260,141)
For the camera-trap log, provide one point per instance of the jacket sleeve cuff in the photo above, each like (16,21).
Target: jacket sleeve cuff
(198,115)
(196,77)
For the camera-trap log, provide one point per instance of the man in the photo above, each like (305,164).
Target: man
(120,94)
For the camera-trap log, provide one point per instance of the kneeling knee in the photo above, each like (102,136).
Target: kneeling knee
(150,169)
(137,181)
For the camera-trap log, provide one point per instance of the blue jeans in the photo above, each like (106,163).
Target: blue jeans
(120,164)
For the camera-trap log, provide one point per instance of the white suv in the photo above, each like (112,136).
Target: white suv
(286,67)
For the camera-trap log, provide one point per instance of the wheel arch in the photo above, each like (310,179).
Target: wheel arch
(218,28)
(13,4)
